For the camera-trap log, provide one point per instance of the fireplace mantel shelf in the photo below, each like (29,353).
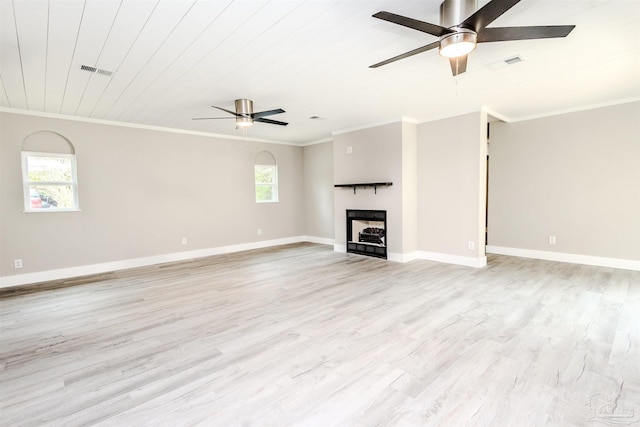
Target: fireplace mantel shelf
(375,185)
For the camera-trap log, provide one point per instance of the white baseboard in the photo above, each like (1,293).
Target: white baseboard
(410,256)
(624,264)
(430,256)
(454,259)
(319,240)
(83,270)
(395,257)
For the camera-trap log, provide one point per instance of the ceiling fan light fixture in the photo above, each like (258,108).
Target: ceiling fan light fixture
(244,110)
(458,44)
(245,116)
(244,122)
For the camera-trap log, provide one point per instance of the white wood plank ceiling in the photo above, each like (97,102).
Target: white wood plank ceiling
(171,60)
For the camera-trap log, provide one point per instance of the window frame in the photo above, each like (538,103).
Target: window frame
(26,184)
(273,184)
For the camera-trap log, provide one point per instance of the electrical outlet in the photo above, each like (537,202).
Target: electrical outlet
(17,263)
(552,240)
(259,231)
(471,245)
(349,149)
(184,240)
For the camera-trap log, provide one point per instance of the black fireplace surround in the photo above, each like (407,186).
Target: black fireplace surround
(367,232)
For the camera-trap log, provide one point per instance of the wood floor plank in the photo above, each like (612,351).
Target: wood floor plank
(299,335)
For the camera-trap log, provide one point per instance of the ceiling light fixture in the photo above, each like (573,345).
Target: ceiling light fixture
(458,44)
(244,122)
(244,110)
(245,116)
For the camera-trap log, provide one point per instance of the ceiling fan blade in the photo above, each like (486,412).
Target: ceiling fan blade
(226,111)
(267,113)
(458,65)
(271,122)
(425,27)
(406,55)
(487,14)
(212,118)
(502,34)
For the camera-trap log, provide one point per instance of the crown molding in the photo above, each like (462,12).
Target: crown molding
(371,125)
(139,126)
(319,141)
(573,109)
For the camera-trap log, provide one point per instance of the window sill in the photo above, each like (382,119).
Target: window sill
(267,201)
(47,210)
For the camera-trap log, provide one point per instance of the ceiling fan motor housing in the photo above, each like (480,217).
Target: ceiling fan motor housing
(244,110)
(453,12)
(244,107)
(463,41)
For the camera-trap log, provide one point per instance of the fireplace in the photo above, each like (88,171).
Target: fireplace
(367,232)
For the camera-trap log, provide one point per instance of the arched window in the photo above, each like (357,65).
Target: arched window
(266,177)
(49,173)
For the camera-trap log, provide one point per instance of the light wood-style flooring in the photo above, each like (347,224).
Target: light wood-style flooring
(299,335)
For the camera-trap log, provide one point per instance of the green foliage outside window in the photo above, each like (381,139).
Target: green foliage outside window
(266,183)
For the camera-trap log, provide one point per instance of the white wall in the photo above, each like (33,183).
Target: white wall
(451,187)
(318,191)
(409,188)
(574,176)
(376,156)
(436,205)
(140,192)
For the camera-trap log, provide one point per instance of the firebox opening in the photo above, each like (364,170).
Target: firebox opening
(367,232)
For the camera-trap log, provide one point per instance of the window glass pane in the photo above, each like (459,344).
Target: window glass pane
(266,180)
(51,197)
(49,169)
(264,193)
(49,182)
(264,174)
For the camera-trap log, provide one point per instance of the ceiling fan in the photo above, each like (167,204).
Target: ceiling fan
(245,116)
(462,27)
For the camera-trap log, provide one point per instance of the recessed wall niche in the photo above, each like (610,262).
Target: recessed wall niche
(265,158)
(45,141)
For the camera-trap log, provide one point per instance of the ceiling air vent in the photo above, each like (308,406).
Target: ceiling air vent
(505,62)
(105,72)
(513,60)
(88,68)
(91,69)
